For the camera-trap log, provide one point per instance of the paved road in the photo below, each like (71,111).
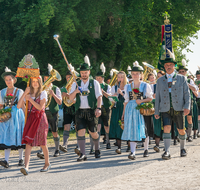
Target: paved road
(111,171)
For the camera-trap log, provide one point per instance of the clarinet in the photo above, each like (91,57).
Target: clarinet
(115,105)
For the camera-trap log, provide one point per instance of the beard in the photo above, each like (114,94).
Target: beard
(84,77)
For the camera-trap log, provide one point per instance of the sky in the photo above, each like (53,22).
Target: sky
(193,58)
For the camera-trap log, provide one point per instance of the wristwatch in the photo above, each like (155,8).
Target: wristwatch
(99,108)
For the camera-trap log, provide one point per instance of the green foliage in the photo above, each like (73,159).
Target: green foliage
(116,32)
(5,110)
(145,106)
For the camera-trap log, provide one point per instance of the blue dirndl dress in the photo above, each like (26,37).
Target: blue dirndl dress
(11,131)
(134,125)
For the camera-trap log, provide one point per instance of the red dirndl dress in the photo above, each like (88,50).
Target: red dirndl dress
(36,128)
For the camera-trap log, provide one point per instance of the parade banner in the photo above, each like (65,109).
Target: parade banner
(168,39)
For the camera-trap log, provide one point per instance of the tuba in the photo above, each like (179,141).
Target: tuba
(54,75)
(148,69)
(68,87)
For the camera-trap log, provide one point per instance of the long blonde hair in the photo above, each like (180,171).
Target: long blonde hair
(39,89)
(124,76)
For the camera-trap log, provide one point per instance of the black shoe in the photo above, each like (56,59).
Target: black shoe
(183,153)
(63,148)
(128,149)
(131,156)
(97,154)
(166,156)
(195,136)
(4,163)
(77,151)
(198,135)
(142,144)
(189,139)
(40,155)
(175,142)
(82,158)
(156,148)
(57,153)
(92,151)
(21,162)
(108,146)
(146,153)
(118,151)
(115,144)
(149,141)
(104,141)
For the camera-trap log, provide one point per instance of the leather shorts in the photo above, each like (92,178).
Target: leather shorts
(105,116)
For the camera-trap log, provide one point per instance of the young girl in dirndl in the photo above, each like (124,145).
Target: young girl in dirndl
(136,93)
(36,128)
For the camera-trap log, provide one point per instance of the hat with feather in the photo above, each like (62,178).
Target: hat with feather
(182,66)
(129,72)
(136,67)
(86,65)
(198,71)
(8,72)
(170,59)
(102,71)
(48,70)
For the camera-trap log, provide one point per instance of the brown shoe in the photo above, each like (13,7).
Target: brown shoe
(118,151)
(63,148)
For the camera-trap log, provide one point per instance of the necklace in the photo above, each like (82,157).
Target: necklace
(10,88)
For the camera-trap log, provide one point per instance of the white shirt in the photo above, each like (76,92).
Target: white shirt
(172,75)
(108,92)
(84,99)
(58,92)
(193,84)
(149,93)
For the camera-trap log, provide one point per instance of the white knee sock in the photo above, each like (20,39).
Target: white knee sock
(146,143)
(7,154)
(133,147)
(20,153)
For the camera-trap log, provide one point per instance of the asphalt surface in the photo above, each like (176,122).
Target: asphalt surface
(67,173)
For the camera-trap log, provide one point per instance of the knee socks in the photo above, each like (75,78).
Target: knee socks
(20,153)
(7,154)
(146,143)
(91,143)
(65,138)
(182,141)
(107,138)
(133,147)
(199,126)
(57,142)
(96,144)
(190,129)
(167,141)
(81,143)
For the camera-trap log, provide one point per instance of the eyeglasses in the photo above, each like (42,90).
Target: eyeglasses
(181,72)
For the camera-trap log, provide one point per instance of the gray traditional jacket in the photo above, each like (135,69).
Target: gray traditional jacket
(179,92)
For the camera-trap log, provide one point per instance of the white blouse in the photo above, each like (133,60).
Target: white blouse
(149,93)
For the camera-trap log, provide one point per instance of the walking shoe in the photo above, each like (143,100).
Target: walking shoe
(146,153)
(24,171)
(63,148)
(108,146)
(104,141)
(156,148)
(195,136)
(21,162)
(91,151)
(97,154)
(189,139)
(57,153)
(175,142)
(198,135)
(131,156)
(40,155)
(77,151)
(118,151)
(166,156)
(183,153)
(82,158)
(4,163)
(128,149)
(47,169)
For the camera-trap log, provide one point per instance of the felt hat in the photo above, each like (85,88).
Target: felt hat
(8,72)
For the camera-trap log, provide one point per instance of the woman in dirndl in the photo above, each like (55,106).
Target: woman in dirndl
(136,93)
(11,130)
(36,128)
(118,91)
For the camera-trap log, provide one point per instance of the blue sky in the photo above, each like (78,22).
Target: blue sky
(194,58)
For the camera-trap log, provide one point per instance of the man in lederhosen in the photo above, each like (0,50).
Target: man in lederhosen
(182,70)
(105,105)
(87,108)
(173,101)
(68,117)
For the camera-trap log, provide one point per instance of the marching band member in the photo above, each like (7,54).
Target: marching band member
(157,122)
(173,101)
(68,117)
(11,130)
(197,82)
(105,105)
(87,108)
(36,128)
(52,113)
(118,91)
(136,93)
(182,70)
